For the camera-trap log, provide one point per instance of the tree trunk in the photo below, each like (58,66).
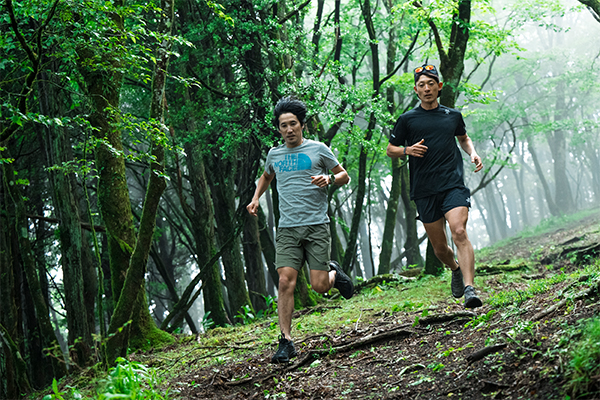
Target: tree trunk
(255,273)
(9,295)
(267,246)
(221,181)
(554,210)
(411,246)
(20,223)
(452,58)
(558,146)
(303,296)
(132,301)
(387,243)
(433,266)
(349,255)
(58,151)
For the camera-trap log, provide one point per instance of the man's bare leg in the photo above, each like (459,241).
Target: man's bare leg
(437,236)
(322,281)
(457,220)
(285,300)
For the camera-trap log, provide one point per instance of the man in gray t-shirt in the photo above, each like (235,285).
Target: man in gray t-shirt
(302,167)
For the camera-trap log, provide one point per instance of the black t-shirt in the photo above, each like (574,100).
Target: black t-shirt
(441,168)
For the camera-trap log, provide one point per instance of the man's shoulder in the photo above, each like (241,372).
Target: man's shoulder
(448,110)
(280,147)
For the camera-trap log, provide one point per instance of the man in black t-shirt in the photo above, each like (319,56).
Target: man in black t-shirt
(427,134)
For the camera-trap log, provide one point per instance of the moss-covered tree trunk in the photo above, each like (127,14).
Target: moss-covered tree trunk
(132,302)
(433,266)
(58,151)
(9,294)
(303,295)
(19,221)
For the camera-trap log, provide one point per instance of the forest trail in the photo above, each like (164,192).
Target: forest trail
(535,290)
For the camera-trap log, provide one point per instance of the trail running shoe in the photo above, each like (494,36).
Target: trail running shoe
(471,299)
(343,283)
(457,284)
(285,351)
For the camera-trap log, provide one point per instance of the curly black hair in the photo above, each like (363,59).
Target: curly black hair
(290,104)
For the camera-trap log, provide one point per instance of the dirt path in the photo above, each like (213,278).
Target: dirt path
(500,351)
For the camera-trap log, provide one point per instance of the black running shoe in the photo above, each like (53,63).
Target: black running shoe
(343,283)
(471,299)
(457,284)
(285,351)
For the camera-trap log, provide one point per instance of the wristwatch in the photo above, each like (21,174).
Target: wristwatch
(331,179)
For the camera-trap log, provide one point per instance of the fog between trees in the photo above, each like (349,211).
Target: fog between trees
(110,107)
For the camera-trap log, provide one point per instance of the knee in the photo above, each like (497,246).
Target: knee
(459,235)
(286,283)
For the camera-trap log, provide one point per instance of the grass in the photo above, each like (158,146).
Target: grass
(545,226)
(127,380)
(406,299)
(584,366)
(516,297)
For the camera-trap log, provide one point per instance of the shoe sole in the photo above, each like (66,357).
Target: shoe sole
(281,361)
(339,271)
(473,303)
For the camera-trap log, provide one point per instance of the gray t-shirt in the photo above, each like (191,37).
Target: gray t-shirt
(300,202)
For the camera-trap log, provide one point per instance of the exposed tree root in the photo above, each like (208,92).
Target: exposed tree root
(485,269)
(314,354)
(437,318)
(478,355)
(584,293)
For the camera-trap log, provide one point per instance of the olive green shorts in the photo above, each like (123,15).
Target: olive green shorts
(310,243)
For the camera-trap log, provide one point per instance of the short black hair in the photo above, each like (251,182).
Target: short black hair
(290,104)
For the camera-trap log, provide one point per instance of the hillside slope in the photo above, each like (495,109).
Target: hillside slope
(411,339)
(407,338)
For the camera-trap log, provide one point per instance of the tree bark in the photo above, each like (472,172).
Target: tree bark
(554,210)
(20,223)
(58,151)
(563,197)
(411,245)
(452,59)
(133,294)
(350,253)
(255,273)
(267,246)
(387,244)
(222,188)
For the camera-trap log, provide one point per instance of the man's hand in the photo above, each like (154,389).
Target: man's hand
(475,159)
(321,180)
(417,149)
(253,207)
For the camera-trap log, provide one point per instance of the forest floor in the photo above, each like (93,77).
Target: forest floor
(407,338)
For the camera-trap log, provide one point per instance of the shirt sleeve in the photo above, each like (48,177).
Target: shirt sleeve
(460,126)
(398,136)
(329,159)
(269,163)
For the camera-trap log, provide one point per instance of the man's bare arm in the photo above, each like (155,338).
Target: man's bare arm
(261,187)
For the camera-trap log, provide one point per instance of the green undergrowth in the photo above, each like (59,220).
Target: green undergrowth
(583,369)
(127,380)
(505,295)
(528,290)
